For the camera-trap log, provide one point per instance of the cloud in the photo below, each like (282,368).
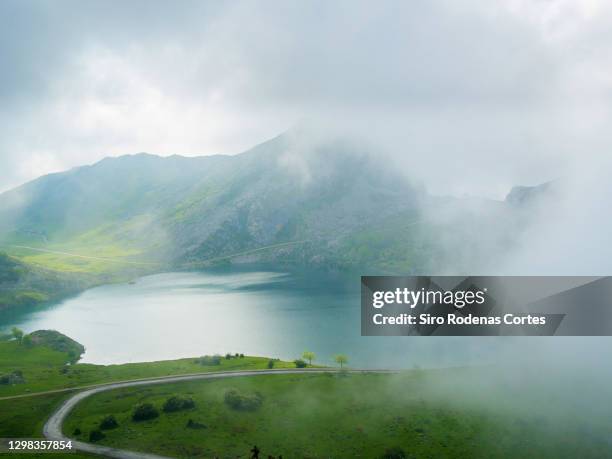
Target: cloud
(485,94)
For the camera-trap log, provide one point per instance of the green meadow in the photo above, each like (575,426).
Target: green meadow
(409,415)
(46,369)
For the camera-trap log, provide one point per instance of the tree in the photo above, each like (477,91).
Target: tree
(341,359)
(17,334)
(310,356)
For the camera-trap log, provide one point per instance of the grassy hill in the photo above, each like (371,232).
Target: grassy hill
(26,284)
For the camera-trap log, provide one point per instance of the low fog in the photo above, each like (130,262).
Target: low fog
(466,98)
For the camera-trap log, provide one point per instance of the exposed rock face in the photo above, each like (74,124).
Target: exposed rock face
(521,195)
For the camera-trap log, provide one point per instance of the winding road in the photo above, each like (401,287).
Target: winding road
(53,427)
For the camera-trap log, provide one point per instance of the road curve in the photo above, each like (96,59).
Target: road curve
(53,427)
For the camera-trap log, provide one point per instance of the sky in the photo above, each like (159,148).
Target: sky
(471,97)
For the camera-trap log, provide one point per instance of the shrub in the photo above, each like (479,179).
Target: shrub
(16,377)
(228,356)
(242,356)
(243,402)
(144,412)
(109,422)
(209,360)
(191,424)
(96,435)
(270,363)
(178,403)
(299,363)
(394,453)
(76,432)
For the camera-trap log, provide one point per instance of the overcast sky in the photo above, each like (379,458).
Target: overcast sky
(473,96)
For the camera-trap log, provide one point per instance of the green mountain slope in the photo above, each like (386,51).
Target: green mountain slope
(326,205)
(26,285)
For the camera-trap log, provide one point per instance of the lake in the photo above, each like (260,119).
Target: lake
(250,311)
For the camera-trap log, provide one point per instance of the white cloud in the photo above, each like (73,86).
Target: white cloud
(475,96)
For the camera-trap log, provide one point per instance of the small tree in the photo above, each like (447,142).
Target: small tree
(310,356)
(341,359)
(299,363)
(271,363)
(17,334)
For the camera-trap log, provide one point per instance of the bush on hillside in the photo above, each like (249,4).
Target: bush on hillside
(16,377)
(299,363)
(394,453)
(109,422)
(243,402)
(144,412)
(191,424)
(178,403)
(96,435)
(209,360)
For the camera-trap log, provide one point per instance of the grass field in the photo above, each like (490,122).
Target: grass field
(44,369)
(490,412)
(340,416)
(25,417)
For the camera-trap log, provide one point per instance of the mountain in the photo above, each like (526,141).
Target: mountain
(527,195)
(25,285)
(323,204)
